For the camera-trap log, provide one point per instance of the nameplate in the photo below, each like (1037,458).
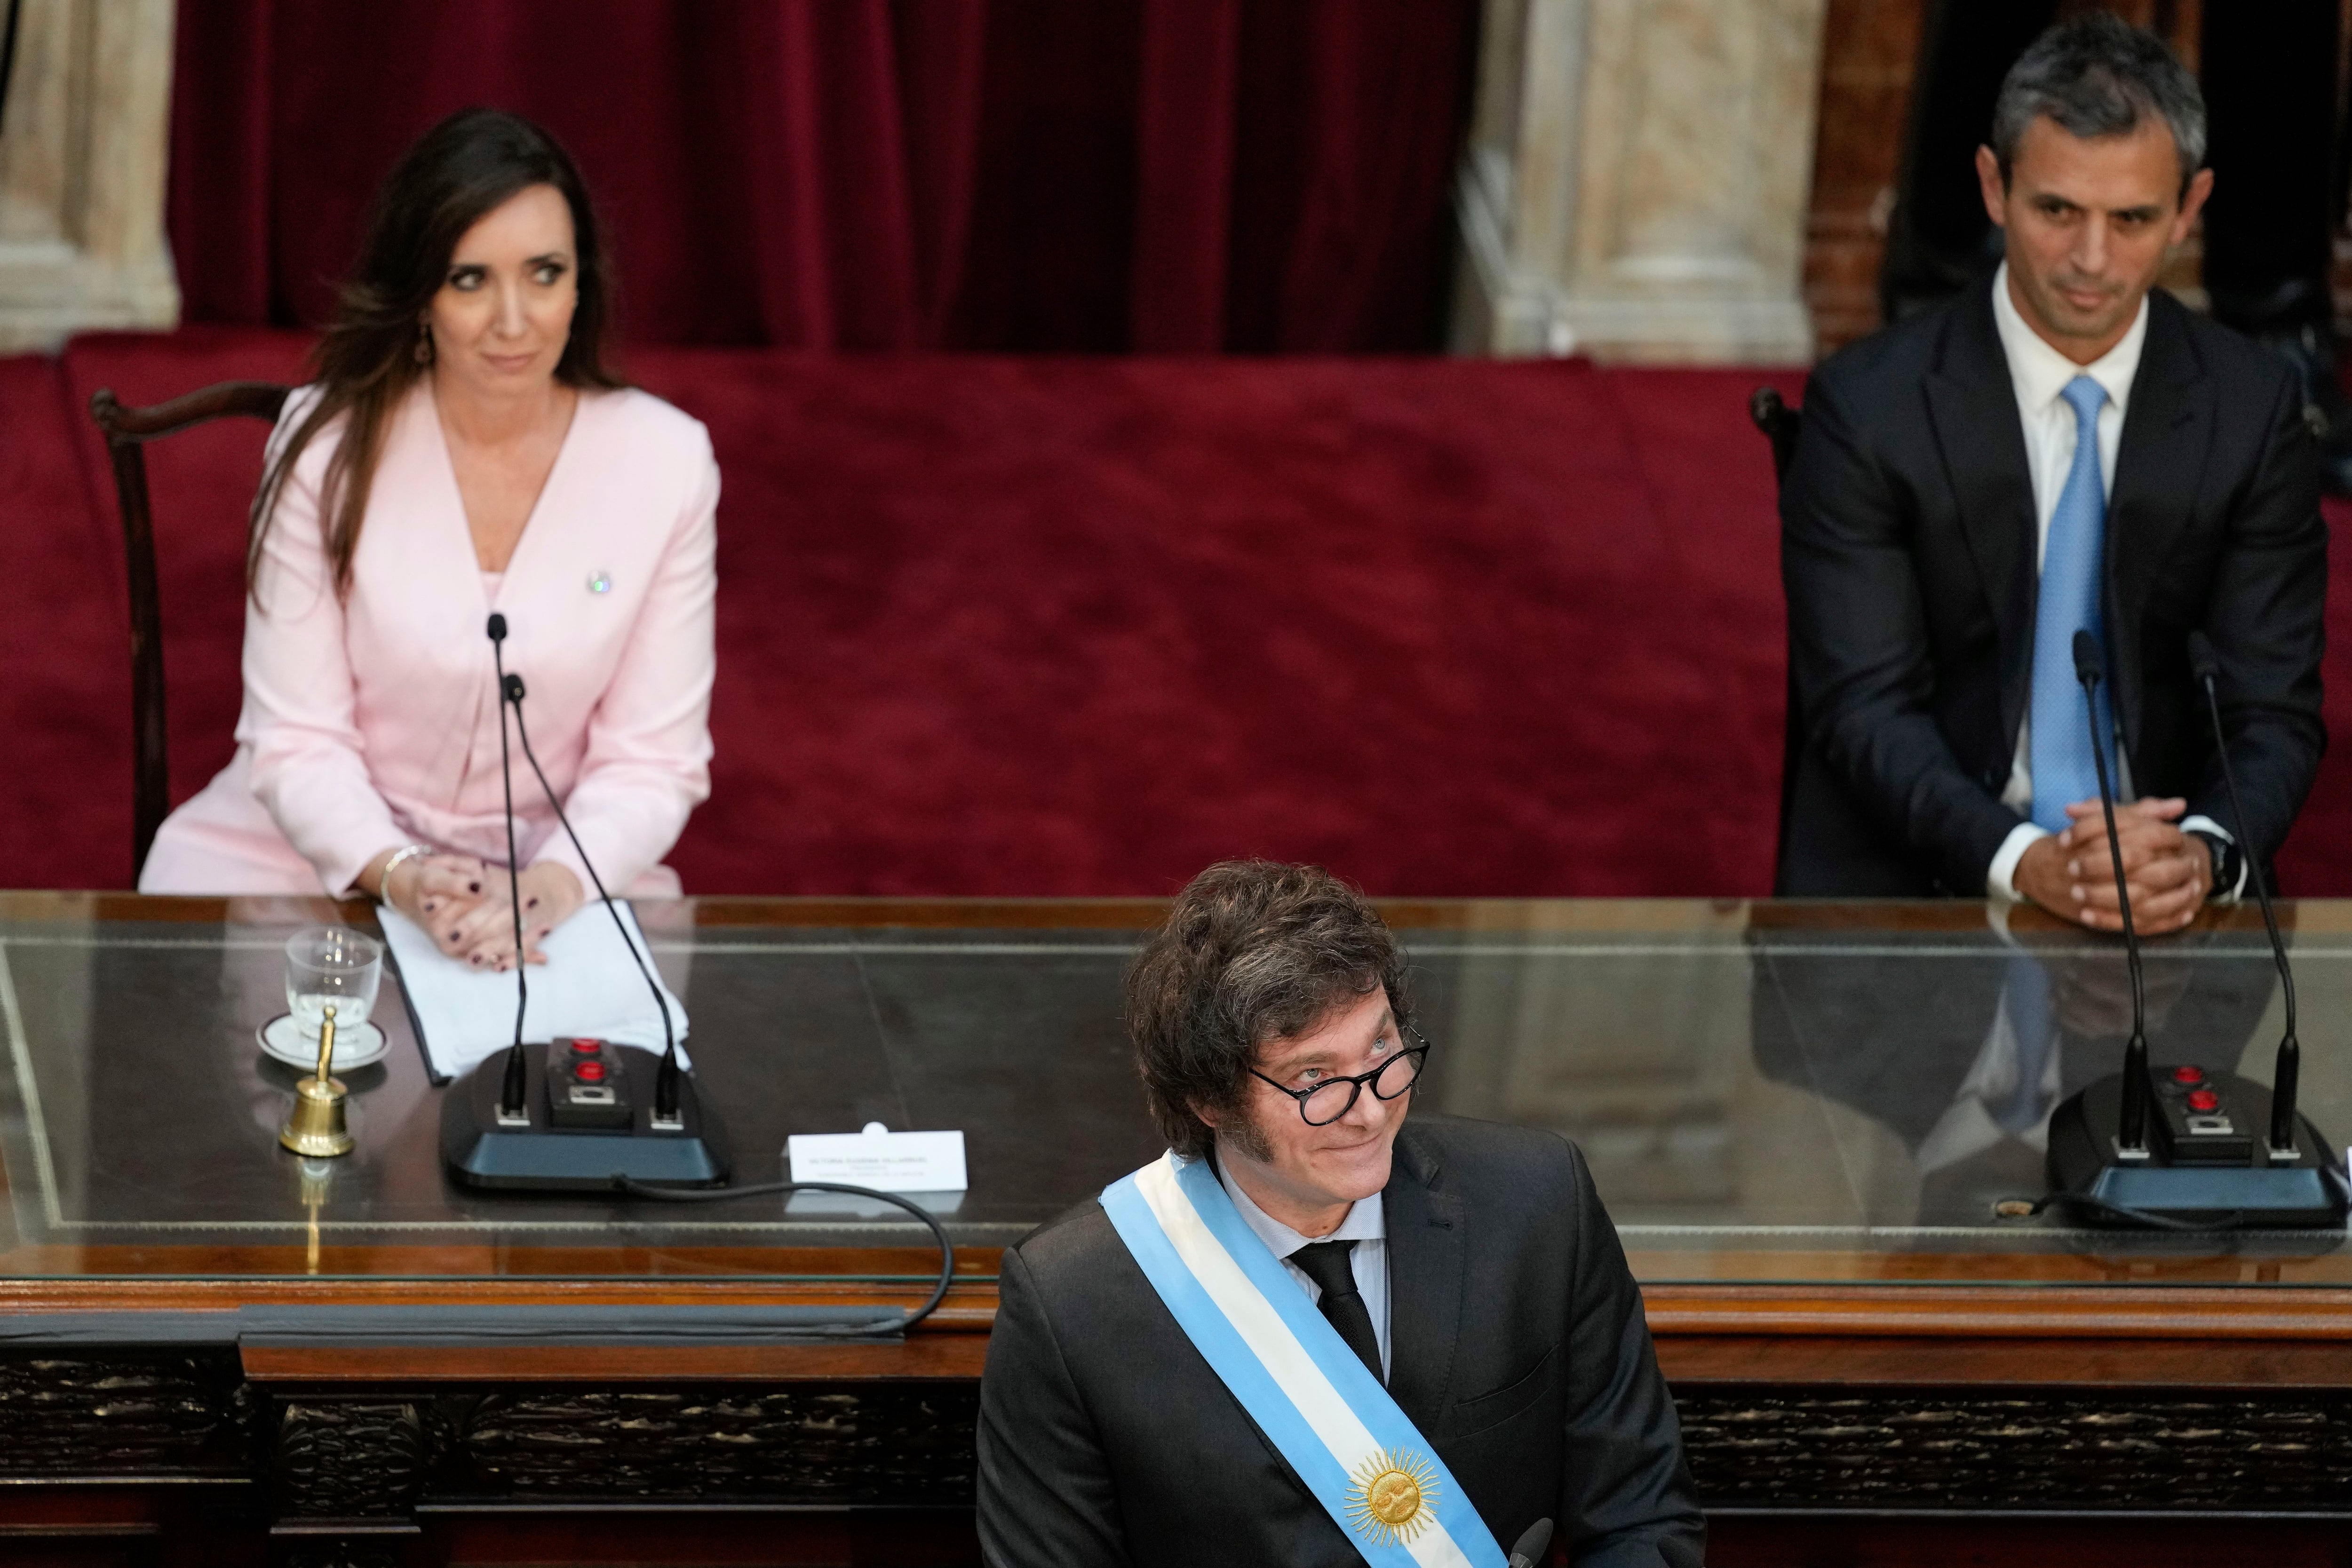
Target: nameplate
(849,1205)
(890,1162)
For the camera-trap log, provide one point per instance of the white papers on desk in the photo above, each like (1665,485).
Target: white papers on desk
(588,986)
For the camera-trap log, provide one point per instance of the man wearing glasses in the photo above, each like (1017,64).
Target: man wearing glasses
(1311,1334)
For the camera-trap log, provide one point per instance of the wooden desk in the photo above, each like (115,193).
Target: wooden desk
(1794,1111)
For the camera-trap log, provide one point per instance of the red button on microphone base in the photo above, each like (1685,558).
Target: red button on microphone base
(2204,1099)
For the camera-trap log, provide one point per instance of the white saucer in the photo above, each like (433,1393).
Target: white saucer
(353,1047)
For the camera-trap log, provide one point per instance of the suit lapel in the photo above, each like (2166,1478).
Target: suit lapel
(1972,405)
(1427,1238)
(2168,426)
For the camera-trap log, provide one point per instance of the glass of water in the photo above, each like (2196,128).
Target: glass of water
(332,965)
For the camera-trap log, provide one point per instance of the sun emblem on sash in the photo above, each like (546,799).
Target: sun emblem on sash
(1389,1496)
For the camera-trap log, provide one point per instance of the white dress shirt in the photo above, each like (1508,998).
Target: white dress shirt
(1968,1127)
(2039,374)
(1366,1225)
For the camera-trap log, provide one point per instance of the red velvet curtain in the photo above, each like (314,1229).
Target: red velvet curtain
(1156,175)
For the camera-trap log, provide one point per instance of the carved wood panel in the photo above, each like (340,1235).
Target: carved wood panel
(872,1444)
(350,1458)
(1979,1450)
(376,1454)
(122,1413)
(365,1455)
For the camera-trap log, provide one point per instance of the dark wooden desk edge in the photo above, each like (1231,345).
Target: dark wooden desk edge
(924,1357)
(1684,1308)
(2107,1335)
(2114,1339)
(171,1294)
(1135,914)
(2058,1311)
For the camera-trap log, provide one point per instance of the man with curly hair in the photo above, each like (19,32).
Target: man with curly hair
(1313,1333)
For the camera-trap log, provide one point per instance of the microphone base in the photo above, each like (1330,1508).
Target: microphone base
(2203,1168)
(486,1156)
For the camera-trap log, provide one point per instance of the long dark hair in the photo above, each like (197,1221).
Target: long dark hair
(456,174)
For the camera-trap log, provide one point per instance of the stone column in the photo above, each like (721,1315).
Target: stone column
(1636,180)
(82,149)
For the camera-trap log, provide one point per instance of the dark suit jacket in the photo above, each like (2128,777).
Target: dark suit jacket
(1516,1345)
(1908,546)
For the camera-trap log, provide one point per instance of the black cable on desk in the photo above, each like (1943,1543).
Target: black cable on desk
(2023,1209)
(638,1189)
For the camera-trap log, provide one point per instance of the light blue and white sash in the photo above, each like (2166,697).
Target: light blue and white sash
(1362,1456)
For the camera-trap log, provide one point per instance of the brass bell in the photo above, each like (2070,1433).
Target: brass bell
(316,1129)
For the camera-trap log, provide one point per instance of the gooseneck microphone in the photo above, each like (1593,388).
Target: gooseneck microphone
(666,1082)
(1531,1548)
(593,1139)
(2205,667)
(514,1093)
(2131,1130)
(576,1113)
(2179,1148)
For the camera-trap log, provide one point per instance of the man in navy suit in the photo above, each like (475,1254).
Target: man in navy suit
(2062,450)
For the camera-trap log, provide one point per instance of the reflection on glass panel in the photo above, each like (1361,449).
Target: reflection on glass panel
(1960,1053)
(142,1115)
(1763,1092)
(1633,1049)
(1775,1101)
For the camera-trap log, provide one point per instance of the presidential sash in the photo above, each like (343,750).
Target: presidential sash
(1362,1456)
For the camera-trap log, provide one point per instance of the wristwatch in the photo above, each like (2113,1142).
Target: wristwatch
(2229,862)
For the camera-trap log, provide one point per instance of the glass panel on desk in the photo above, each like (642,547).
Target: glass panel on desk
(1764,1092)
(1842,1093)
(142,1119)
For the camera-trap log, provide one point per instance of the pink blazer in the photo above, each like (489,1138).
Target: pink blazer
(374,722)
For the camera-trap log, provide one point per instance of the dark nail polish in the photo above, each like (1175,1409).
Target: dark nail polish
(532,904)
(473,886)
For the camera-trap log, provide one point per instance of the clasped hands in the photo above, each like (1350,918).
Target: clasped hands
(464,905)
(2072,875)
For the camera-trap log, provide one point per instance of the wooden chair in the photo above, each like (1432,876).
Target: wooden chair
(126,430)
(1781,425)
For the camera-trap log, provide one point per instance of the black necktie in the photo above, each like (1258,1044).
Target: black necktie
(1328,1264)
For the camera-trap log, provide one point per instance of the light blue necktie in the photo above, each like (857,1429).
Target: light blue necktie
(2034,1022)
(2063,769)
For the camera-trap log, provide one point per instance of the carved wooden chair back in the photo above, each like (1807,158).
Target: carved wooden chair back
(1781,425)
(126,430)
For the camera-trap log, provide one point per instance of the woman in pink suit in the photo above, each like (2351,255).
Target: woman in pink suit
(462,449)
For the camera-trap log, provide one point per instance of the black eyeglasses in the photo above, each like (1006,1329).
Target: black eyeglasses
(1327,1101)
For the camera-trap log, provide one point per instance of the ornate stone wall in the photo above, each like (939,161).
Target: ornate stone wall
(82,149)
(1636,181)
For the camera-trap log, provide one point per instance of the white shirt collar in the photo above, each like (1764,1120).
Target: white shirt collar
(2038,373)
(1367,1221)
